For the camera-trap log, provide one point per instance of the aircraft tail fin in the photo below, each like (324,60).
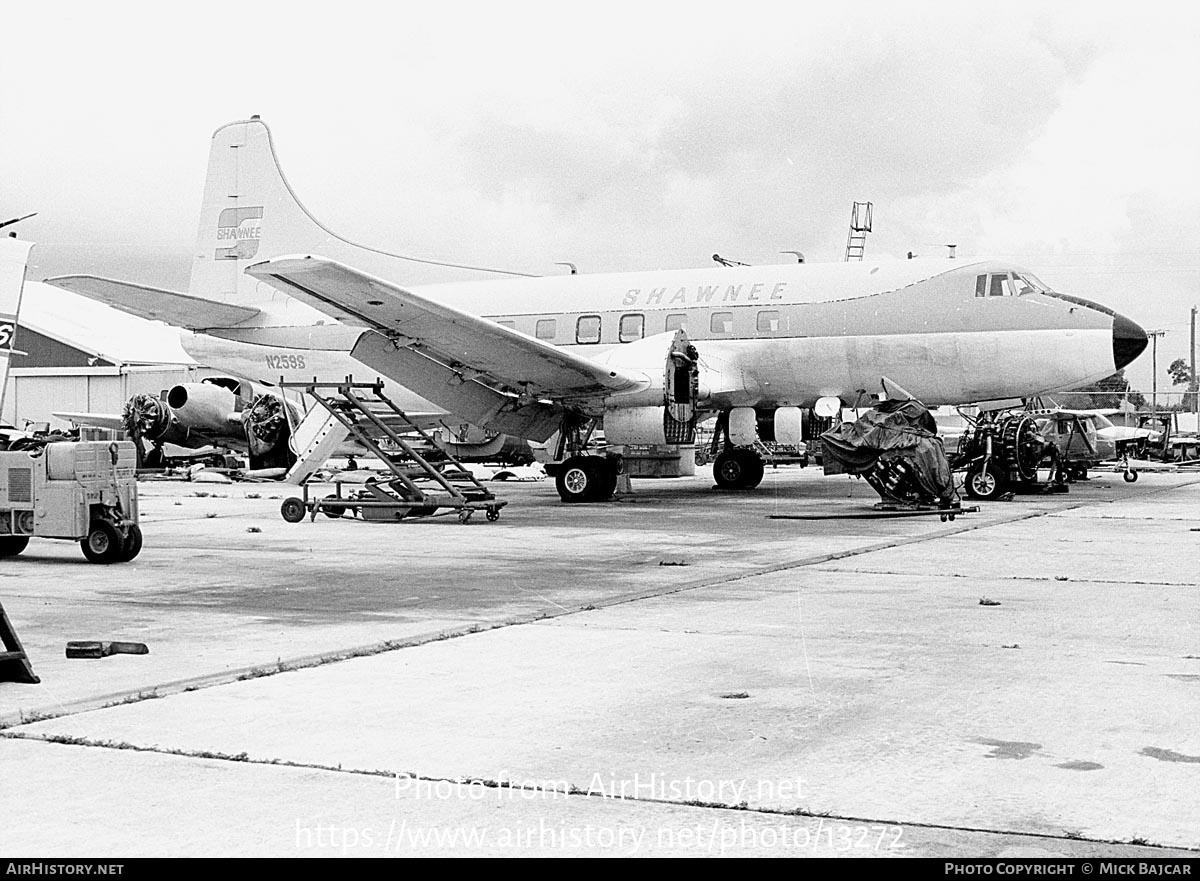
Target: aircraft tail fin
(250,213)
(14,257)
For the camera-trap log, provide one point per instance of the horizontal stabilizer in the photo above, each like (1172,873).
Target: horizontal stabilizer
(155,304)
(94,420)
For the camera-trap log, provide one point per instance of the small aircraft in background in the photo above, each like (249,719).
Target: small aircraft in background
(1089,438)
(215,412)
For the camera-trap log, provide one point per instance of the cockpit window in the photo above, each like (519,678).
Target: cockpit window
(1007,284)
(1030,284)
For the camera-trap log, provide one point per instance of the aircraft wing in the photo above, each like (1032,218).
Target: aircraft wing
(155,304)
(97,420)
(465,345)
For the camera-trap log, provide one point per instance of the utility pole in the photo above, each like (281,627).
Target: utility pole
(1192,385)
(1154,335)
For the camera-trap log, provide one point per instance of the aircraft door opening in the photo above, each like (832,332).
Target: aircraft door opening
(680,388)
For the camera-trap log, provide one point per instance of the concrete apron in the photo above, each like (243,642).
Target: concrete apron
(875,688)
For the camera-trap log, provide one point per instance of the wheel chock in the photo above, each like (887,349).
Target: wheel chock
(94,649)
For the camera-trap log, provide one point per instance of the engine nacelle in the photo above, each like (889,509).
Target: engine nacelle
(782,425)
(205,408)
(665,411)
(647,357)
(635,425)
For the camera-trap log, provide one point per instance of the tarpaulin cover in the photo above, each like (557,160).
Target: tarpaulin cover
(893,429)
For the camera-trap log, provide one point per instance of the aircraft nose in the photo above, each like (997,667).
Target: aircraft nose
(1129,340)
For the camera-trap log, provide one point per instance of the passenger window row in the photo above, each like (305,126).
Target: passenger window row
(632,326)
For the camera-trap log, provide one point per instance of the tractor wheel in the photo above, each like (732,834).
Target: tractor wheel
(103,543)
(11,545)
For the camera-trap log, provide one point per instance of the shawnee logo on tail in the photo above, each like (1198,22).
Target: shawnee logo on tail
(238,229)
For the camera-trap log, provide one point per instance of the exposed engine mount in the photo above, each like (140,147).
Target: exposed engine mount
(669,415)
(218,411)
(267,431)
(1001,452)
(146,416)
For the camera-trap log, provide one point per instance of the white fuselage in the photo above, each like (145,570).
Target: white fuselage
(773,335)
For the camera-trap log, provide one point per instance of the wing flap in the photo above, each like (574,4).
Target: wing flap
(468,346)
(155,304)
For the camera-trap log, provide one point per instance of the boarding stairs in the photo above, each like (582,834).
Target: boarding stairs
(344,412)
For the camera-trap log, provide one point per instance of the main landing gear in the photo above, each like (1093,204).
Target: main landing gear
(734,467)
(587,478)
(738,468)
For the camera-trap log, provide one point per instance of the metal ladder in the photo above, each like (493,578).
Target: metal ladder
(408,492)
(860,225)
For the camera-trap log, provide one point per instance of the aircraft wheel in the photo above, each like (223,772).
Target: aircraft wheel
(606,480)
(292,509)
(983,482)
(493,514)
(10,546)
(586,479)
(757,469)
(738,469)
(1131,476)
(102,544)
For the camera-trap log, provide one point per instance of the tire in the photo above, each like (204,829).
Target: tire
(756,470)
(132,545)
(331,513)
(738,468)
(103,543)
(292,509)
(983,483)
(1131,476)
(606,478)
(10,546)
(586,479)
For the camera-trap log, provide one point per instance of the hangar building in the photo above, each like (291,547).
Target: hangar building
(72,354)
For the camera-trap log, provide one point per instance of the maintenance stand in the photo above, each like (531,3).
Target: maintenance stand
(348,414)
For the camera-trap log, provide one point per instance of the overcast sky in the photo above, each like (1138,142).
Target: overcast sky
(629,135)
